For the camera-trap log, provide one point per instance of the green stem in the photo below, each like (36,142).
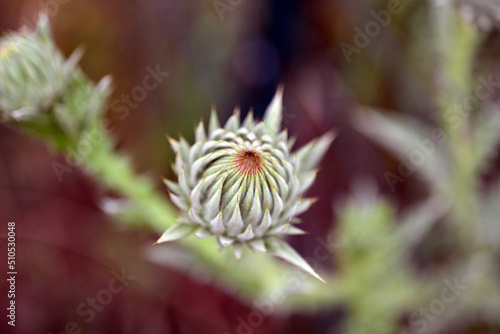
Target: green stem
(455,44)
(146,207)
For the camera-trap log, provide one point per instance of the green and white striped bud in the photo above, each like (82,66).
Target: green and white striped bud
(241,184)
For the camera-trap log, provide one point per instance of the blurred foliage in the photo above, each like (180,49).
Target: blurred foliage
(425,267)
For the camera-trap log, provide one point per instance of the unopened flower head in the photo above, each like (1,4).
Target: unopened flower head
(241,184)
(34,72)
(42,91)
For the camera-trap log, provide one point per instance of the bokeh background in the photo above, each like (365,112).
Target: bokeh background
(224,53)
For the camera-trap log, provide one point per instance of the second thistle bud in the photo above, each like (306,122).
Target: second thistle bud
(34,73)
(42,91)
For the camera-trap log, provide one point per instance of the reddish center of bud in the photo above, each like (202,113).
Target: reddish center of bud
(248,162)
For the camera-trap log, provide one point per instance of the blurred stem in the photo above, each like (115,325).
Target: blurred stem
(145,207)
(455,44)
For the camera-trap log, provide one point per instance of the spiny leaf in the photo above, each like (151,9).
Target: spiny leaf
(283,250)
(273,114)
(177,232)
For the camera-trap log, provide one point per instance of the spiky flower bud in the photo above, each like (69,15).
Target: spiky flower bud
(242,185)
(34,73)
(40,89)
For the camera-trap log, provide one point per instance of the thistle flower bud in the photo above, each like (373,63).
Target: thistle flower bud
(34,73)
(44,93)
(242,184)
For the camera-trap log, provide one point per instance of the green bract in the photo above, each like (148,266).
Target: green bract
(242,184)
